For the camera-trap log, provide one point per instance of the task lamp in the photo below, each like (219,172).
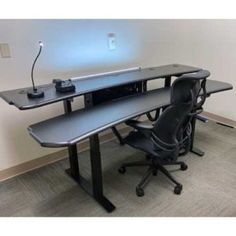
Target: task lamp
(34,92)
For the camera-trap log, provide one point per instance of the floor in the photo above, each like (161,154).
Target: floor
(209,184)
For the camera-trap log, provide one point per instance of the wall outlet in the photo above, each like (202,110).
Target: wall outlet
(111,41)
(5,50)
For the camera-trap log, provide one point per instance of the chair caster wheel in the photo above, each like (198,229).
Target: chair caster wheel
(178,189)
(122,170)
(154,172)
(183,166)
(139,192)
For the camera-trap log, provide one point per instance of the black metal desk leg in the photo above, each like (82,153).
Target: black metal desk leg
(74,164)
(192,148)
(72,150)
(167,81)
(96,166)
(96,189)
(167,84)
(96,169)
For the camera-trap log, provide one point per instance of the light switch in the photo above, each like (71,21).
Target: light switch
(5,50)
(111,41)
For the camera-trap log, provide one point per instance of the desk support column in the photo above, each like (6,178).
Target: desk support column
(72,150)
(96,188)
(167,81)
(192,148)
(96,165)
(167,84)
(96,171)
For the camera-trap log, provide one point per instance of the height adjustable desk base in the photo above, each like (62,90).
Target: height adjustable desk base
(95,187)
(192,148)
(197,151)
(87,187)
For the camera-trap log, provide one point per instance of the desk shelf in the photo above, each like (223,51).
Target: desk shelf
(71,128)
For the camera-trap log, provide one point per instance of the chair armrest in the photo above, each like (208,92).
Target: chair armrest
(198,111)
(139,125)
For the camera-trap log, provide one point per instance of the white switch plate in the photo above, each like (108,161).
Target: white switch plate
(5,50)
(111,41)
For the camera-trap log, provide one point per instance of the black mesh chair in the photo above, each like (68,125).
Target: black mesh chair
(170,135)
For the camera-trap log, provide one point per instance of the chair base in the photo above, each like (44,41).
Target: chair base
(153,169)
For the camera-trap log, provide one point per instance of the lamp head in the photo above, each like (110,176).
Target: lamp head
(40,43)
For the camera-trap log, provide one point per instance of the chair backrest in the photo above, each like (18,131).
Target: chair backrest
(185,93)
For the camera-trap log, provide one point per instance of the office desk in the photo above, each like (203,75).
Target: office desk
(73,126)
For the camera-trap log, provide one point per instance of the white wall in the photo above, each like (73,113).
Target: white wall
(77,47)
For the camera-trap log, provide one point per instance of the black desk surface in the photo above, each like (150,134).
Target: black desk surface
(69,129)
(18,97)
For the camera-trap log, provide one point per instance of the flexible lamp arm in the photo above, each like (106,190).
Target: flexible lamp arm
(35,60)
(34,92)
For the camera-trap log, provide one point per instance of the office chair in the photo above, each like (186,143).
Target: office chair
(170,136)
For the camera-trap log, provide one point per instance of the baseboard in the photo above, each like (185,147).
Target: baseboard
(56,156)
(219,119)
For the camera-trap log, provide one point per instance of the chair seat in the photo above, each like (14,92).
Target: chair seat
(144,143)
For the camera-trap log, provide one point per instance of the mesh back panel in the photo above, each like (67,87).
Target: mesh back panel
(184,93)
